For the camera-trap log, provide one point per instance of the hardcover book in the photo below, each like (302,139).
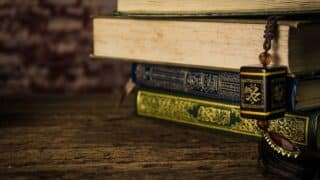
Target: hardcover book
(216,7)
(220,85)
(209,43)
(299,127)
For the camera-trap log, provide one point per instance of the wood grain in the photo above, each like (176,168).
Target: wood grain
(70,137)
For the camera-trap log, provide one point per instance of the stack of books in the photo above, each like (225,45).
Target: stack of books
(187,63)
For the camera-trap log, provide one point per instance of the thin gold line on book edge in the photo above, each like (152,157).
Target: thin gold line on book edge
(262,74)
(262,113)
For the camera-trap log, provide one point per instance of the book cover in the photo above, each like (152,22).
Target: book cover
(300,127)
(223,85)
(208,43)
(220,84)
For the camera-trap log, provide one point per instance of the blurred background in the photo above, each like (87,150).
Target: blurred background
(45,47)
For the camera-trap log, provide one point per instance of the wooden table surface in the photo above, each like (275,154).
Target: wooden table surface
(86,137)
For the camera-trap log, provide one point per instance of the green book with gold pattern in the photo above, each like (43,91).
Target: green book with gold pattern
(299,127)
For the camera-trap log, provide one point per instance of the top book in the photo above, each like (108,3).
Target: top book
(216,7)
(206,43)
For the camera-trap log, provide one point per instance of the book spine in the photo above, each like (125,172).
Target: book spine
(212,84)
(222,117)
(292,93)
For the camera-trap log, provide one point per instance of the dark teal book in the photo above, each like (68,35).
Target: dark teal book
(221,84)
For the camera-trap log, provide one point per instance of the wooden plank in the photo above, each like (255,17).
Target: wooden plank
(66,139)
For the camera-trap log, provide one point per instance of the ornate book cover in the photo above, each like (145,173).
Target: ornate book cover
(216,84)
(219,84)
(300,127)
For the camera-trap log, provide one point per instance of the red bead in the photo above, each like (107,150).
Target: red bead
(263,124)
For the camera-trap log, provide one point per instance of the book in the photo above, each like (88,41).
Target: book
(205,43)
(214,84)
(220,85)
(216,7)
(299,127)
